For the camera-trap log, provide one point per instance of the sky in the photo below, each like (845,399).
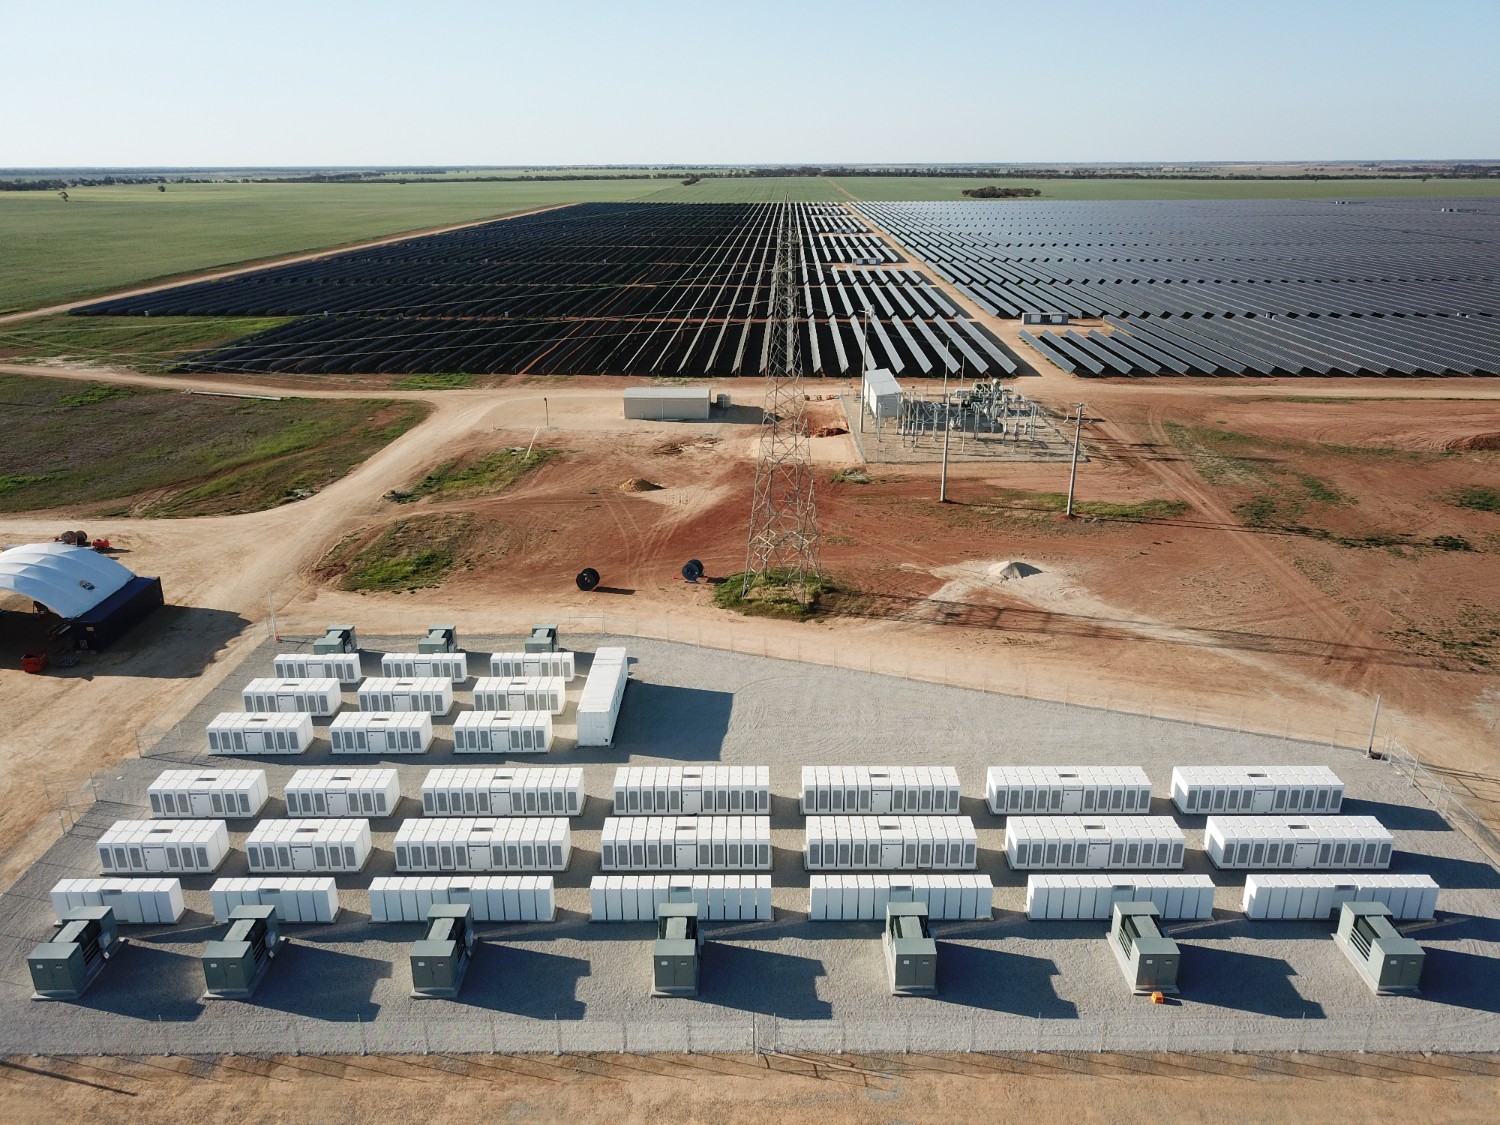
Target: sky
(448,82)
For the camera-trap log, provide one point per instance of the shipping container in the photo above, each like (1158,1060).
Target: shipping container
(890,843)
(1275,897)
(1256,789)
(1067,790)
(549,694)
(343,667)
(690,790)
(1093,843)
(450,666)
(235,732)
(431,695)
(338,792)
(603,695)
(336,847)
(208,793)
(1092,897)
(927,790)
(668,404)
(503,791)
(533,666)
(136,902)
(321,697)
(494,898)
(381,732)
(863,898)
(307,898)
(719,898)
(1298,843)
(502,732)
(484,844)
(685,843)
(167,847)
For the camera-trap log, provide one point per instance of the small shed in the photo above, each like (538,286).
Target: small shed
(668,404)
(882,394)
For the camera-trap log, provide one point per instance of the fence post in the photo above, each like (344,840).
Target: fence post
(364,1046)
(426,1041)
(557,1023)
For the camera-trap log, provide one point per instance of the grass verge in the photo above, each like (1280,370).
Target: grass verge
(484,476)
(409,554)
(773,594)
(148,344)
(1476,498)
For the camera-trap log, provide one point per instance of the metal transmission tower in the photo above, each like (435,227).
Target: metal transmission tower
(783,515)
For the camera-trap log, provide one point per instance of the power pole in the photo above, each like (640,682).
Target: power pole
(947,427)
(783,515)
(1073,473)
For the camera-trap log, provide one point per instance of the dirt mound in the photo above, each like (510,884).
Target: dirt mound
(827,431)
(1017,570)
(640,484)
(1474,442)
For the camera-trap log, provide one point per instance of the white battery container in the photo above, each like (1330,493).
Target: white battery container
(912,790)
(690,790)
(236,733)
(208,793)
(503,791)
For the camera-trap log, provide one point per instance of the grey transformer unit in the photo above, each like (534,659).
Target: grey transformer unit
(678,948)
(910,952)
(440,960)
(62,968)
(234,966)
(1388,962)
(440,638)
(1148,958)
(335,639)
(543,639)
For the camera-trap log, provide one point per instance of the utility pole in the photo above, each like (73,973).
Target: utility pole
(271,602)
(947,429)
(1370,748)
(1073,473)
(546,413)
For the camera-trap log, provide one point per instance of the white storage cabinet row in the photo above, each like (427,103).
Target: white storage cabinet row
(1093,843)
(238,732)
(430,694)
(603,694)
(720,898)
(450,666)
(381,732)
(136,902)
(484,844)
(502,732)
(927,790)
(341,666)
(1318,897)
(493,693)
(532,666)
(493,898)
(691,790)
(1067,790)
(1092,897)
(315,696)
(142,847)
(504,791)
(686,843)
(863,898)
(188,794)
(337,792)
(1298,843)
(890,843)
(328,846)
(1256,789)
(305,898)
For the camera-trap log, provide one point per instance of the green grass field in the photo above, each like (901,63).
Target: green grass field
(149,344)
(891,188)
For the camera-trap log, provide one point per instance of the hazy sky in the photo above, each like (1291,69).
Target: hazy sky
(317,82)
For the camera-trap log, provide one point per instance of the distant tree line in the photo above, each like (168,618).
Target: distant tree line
(993,192)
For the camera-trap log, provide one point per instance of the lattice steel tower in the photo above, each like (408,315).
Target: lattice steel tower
(783,515)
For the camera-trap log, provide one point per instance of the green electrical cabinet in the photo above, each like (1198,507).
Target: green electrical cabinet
(62,968)
(1146,956)
(440,960)
(1387,962)
(910,952)
(676,952)
(234,966)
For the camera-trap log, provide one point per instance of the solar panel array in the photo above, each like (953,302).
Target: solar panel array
(616,289)
(1235,287)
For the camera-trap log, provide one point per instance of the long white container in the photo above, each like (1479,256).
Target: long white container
(914,790)
(430,694)
(890,843)
(1298,843)
(484,844)
(1092,897)
(307,898)
(450,666)
(494,898)
(603,694)
(532,665)
(502,732)
(208,793)
(321,697)
(340,666)
(1318,897)
(235,732)
(339,792)
(690,790)
(1256,789)
(863,898)
(136,902)
(381,732)
(336,847)
(1066,790)
(503,791)
(1093,843)
(686,843)
(549,695)
(167,847)
(720,898)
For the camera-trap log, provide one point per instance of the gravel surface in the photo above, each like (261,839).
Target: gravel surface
(576,985)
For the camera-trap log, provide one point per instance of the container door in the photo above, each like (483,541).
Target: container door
(1072,799)
(1306,855)
(880,801)
(890,856)
(687,857)
(692,802)
(1098,855)
(500,802)
(302,859)
(1264,797)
